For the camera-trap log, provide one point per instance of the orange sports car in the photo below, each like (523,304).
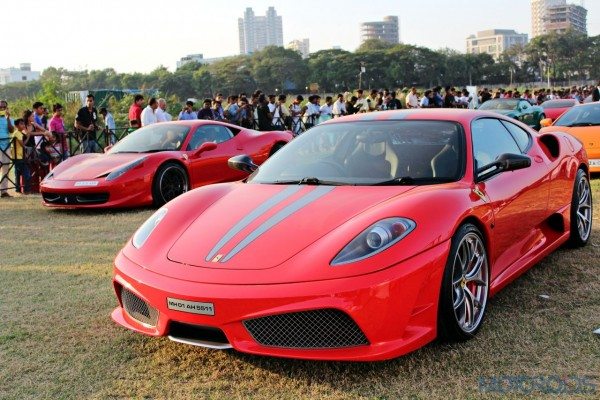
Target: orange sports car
(583,122)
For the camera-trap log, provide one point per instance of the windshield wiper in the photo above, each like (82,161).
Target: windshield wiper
(156,150)
(124,152)
(582,124)
(409,180)
(403,180)
(309,180)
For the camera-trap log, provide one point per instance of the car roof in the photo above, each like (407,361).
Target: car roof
(463,116)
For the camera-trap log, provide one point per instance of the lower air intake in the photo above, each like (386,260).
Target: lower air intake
(138,309)
(316,329)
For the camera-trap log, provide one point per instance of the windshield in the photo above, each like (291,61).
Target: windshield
(499,105)
(558,103)
(369,153)
(156,137)
(586,115)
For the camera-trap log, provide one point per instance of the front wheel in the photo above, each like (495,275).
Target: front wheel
(581,211)
(465,286)
(169,182)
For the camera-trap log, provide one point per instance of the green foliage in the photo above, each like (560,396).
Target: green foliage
(570,56)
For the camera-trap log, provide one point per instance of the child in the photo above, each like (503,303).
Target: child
(21,168)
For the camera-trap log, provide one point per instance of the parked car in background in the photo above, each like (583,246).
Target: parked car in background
(155,164)
(583,122)
(519,109)
(554,108)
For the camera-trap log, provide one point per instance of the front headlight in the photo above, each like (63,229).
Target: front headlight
(118,172)
(375,239)
(48,177)
(143,233)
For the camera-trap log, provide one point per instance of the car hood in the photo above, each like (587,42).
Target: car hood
(93,166)
(258,226)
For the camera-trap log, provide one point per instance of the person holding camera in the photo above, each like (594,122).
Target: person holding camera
(6,129)
(86,123)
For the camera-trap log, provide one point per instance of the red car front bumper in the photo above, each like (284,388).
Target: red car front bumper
(395,308)
(97,194)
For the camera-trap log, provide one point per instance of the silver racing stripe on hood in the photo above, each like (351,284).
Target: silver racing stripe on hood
(247,220)
(302,202)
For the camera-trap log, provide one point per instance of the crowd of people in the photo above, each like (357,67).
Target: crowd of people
(38,141)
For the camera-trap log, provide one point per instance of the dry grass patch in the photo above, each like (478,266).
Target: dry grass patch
(57,340)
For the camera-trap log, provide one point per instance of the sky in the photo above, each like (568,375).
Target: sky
(138,36)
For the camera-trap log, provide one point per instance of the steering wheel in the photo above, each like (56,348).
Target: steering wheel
(337,166)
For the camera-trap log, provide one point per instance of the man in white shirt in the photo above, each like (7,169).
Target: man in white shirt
(161,112)
(339,107)
(326,110)
(362,104)
(149,113)
(412,100)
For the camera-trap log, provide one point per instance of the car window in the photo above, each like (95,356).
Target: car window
(209,133)
(519,134)
(490,140)
(524,105)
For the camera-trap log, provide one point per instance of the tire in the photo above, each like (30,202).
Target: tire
(276,148)
(170,181)
(465,286)
(581,211)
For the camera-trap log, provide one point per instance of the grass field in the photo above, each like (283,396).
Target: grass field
(57,339)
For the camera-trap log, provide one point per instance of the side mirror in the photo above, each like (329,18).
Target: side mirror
(243,163)
(206,146)
(505,162)
(546,122)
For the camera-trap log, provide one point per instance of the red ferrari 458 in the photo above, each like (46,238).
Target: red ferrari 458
(363,239)
(155,164)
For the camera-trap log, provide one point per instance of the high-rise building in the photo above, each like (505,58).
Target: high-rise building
(494,41)
(557,16)
(258,32)
(387,30)
(302,46)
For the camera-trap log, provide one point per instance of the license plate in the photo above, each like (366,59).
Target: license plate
(595,163)
(194,307)
(86,183)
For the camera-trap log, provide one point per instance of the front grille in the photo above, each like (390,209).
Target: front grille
(138,309)
(81,198)
(316,329)
(197,333)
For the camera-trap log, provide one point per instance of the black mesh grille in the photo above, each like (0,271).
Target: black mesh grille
(317,329)
(82,198)
(138,309)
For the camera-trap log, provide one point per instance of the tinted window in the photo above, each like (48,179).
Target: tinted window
(524,105)
(558,103)
(156,137)
(519,134)
(587,115)
(373,152)
(499,104)
(490,140)
(209,133)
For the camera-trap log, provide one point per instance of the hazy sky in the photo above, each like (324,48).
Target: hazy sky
(141,35)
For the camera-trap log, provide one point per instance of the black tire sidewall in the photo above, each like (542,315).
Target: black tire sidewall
(157,197)
(448,327)
(575,239)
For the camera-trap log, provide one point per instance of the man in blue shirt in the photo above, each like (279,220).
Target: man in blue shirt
(188,112)
(6,128)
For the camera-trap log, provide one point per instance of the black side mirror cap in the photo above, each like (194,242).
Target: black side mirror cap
(243,162)
(505,162)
